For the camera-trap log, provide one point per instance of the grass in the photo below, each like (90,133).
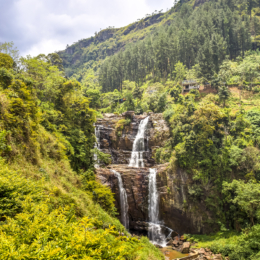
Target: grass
(66,186)
(209,241)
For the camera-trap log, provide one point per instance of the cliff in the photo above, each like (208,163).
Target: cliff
(120,147)
(177,211)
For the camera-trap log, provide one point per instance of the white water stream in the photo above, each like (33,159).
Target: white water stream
(138,146)
(155,231)
(123,200)
(97,145)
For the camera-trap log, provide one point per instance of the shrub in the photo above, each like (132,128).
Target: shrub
(14,190)
(6,61)
(120,125)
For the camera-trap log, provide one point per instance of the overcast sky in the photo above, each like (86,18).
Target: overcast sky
(45,26)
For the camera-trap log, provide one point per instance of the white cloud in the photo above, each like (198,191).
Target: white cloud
(44,26)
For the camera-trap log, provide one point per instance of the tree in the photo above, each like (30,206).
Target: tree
(94,97)
(246,196)
(224,94)
(180,72)
(6,61)
(8,48)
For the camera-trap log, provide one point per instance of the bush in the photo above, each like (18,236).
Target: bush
(167,114)
(14,190)
(6,61)
(120,125)
(99,193)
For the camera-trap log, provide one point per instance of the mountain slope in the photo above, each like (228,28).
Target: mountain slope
(193,32)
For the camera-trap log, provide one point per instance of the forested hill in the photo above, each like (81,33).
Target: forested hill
(87,53)
(195,32)
(90,52)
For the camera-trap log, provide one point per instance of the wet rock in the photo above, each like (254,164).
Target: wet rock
(169,239)
(175,243)
(202,251)
(158,246)
(176,238)
(172,183)
(120,145)
(128,114)
(186,248)
(169,243)
(136,182)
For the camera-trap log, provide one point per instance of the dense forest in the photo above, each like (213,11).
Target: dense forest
(49,104)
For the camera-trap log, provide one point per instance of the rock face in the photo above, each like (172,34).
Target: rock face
(171,197)
(120,146)
(176,210)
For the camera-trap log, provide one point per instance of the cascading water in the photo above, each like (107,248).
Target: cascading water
(123,200)
(138,146)
(155,230)
(97,144)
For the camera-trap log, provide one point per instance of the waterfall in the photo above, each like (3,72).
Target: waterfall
(155,230)
(123,200)
(97,145)
(138,146)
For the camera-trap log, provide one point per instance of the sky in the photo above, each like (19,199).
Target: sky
(46,26)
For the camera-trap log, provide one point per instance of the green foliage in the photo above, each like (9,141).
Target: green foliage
(14,190)
(102,157)
(168,113)
(6,61)
(65,110)
(175,92)
(197,39)
(45,231)
(235,246)
(245,196)
(4,148)
(9,49)
(180,72)
(120,125)
(224,94)
(99,193)
(35,228)
(94,97)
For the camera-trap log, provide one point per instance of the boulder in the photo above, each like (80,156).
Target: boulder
(169,243)
(182,238)
(217,257)
(185,248)
(176,238)
(175,243)
(202,251)
(129,114)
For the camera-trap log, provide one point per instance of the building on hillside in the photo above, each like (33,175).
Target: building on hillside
(187,85)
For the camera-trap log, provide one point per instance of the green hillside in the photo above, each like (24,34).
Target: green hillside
(51,206)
